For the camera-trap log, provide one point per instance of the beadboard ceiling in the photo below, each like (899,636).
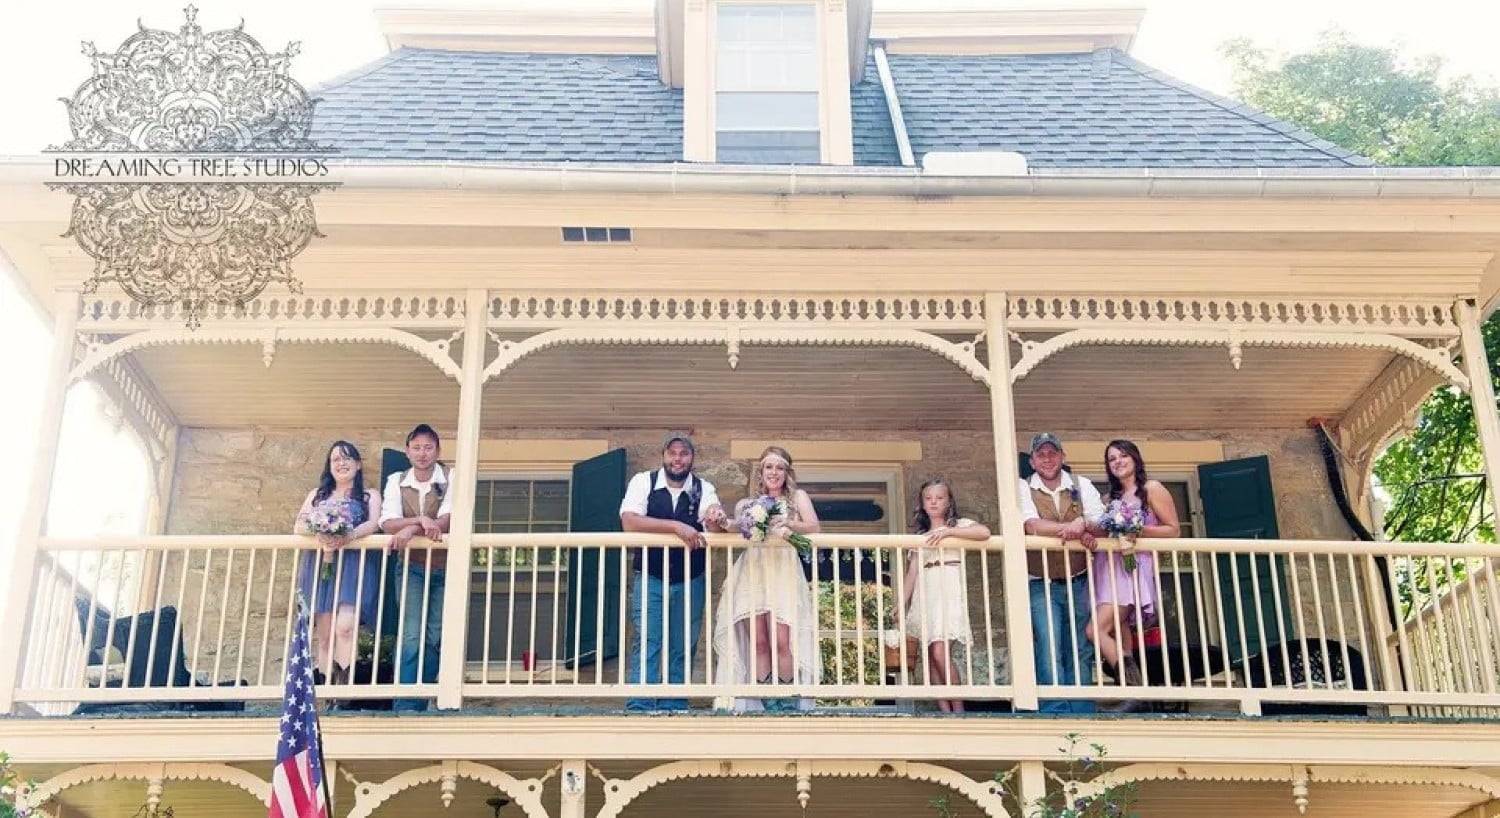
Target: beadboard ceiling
(1138,388)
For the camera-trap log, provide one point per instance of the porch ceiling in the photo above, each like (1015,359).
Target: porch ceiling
(1105,388)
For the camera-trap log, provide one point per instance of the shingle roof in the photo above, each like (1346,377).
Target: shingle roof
(460,105)
(1102,109)
(1061,110)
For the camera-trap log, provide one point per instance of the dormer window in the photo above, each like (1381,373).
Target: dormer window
(766,84)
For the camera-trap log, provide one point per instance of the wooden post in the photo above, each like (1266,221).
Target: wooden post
(698,140)
(1033,786)
(33,521)
(1007,477)
(1481,393)
(574,785)
(461,524)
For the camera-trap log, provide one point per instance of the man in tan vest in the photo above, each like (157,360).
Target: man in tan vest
(416,503)
(1056,503)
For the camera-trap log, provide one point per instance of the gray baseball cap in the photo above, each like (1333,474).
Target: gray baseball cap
(673,437)
(1045,439)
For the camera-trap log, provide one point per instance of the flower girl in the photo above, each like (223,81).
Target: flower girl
(936,603)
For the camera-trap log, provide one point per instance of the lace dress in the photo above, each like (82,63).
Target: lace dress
(766,578)
(939,610)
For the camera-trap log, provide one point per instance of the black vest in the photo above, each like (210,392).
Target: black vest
(678,562)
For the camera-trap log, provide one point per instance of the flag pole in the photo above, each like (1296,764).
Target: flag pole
(317,716)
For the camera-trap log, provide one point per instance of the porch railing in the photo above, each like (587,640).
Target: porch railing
(1236,623)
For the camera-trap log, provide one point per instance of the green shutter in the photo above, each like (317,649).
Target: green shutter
(598,488)
(1238,503)
(391,462)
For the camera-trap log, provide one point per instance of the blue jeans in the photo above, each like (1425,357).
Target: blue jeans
(1056,631)
(415,629)
(681,642)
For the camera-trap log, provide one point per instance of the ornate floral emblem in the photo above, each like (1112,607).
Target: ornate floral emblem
(231,226)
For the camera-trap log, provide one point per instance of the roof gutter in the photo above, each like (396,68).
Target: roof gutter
(564,177)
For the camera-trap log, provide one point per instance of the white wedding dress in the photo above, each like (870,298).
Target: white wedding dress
(767,577)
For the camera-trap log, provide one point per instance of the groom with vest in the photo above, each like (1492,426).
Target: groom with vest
(1056,503)
(669,587)
(416,503)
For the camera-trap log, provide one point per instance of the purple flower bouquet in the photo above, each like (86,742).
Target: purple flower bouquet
(330,517)
(755,523)
(1124,522)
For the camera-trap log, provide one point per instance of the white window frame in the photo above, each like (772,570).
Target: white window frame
(816,8)
(474,668)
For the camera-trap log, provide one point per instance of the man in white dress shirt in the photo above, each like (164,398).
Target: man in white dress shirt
(416,502)
(1057,503)
(670,500)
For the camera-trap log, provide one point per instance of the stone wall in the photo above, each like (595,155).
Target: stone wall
(253,481)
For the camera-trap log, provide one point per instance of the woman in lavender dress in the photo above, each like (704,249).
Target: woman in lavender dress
(345,595)
(1124,597)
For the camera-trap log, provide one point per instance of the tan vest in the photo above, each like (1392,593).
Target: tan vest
(429,508)
(1060,565)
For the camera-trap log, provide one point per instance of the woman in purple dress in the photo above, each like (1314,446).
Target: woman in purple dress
(340,583)
(1126,596)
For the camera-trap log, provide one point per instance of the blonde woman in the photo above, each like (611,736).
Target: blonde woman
(765,628)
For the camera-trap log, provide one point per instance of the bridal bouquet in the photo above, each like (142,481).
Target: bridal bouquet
(330,517)
(755,523)
(1123,522)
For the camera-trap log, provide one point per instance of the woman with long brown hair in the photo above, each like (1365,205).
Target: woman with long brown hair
(765,629)
(1125,594)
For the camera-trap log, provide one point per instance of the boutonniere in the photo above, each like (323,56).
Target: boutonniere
(438,489)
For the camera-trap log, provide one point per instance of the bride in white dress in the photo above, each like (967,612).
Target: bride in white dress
(765,627)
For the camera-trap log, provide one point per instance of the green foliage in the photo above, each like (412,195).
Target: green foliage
(1084,763)
(1371,101)
(870,607)
(8,785)
(1398,112)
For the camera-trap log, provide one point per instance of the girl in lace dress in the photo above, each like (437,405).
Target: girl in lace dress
(765,627)
(936,603)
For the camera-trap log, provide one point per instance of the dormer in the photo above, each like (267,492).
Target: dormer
(764,81)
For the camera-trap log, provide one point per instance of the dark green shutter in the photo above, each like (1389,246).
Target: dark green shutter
(391,462)
(598,488)
(1238,503)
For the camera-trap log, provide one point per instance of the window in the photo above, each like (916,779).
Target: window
(517,506)
(519,616)
(766,92)
(851,506)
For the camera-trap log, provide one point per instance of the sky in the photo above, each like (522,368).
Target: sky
(101,474)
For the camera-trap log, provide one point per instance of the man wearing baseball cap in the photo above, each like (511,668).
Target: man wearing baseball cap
(1057,503)
(670,500)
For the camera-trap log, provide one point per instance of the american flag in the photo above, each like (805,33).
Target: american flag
(297,784)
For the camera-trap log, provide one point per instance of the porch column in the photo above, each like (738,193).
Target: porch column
(1033,788)
(33,522)
(1007,473)
(1481,393)
(461,524)
(574,785)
